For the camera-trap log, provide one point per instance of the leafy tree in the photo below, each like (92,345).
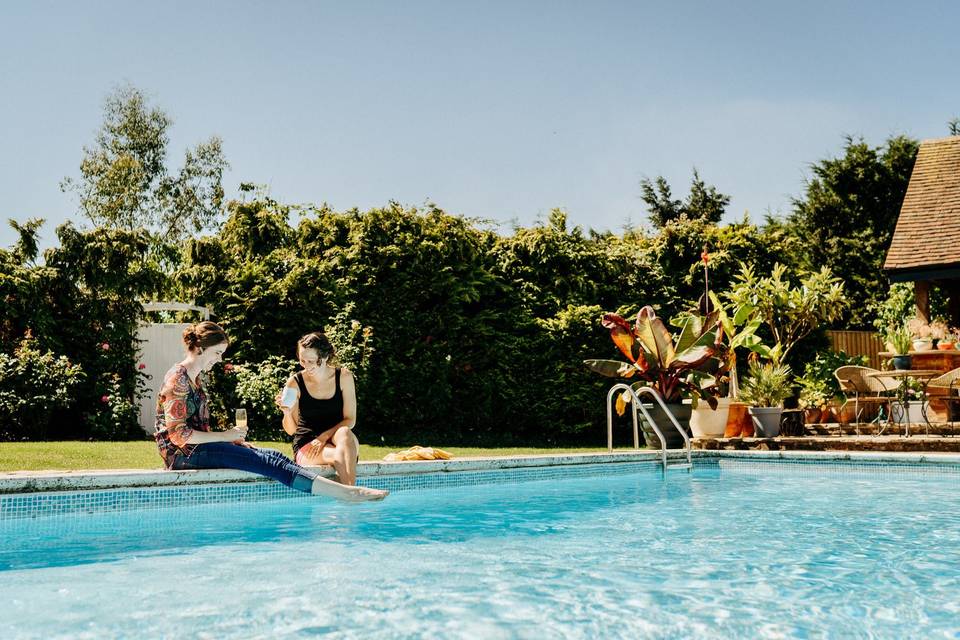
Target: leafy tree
(790,312)
(704,202)
(124,182)
(846,217)
(27,247)
(677,251)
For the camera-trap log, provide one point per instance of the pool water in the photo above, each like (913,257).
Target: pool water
(728,551)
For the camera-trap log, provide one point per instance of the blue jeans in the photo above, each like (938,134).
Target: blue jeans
(266,462)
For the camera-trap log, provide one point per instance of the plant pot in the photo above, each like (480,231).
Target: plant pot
(945,346)
(811,415)
(710,423)
(674,440)
(922,344)
(914,413)
(901,362)
(766,421)
(739,423)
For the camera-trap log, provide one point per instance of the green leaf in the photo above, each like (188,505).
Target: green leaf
(609,368)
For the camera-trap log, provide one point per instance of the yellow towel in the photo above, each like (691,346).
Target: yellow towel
(418,453)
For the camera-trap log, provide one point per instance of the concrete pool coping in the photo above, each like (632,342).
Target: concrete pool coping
(35,481)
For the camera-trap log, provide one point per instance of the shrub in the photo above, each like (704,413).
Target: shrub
(118,417)
(256,390)
(34,384)
(818,384)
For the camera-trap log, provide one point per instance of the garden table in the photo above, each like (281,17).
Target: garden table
(904,376)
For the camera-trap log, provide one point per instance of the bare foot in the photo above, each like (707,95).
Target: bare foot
(324,487)
(364,494)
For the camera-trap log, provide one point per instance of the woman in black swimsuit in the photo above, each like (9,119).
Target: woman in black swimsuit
(321,420)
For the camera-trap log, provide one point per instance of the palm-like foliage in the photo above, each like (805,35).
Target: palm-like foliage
(675,368)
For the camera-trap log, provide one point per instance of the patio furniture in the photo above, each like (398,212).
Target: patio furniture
(859,384)
(904,376)
(949,382)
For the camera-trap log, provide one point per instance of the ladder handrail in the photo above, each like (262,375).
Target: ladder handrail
(638,407)
(686,439)
(636,430)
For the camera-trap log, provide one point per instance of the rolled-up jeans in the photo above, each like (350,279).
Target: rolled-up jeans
(266,462)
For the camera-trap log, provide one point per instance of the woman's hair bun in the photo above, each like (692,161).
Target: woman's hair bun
(203,334)
(190,337)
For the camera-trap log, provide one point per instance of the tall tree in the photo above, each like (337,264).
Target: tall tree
(124,181)
(704,202)
(846,218)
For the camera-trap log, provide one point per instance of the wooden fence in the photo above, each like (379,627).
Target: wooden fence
(858,343)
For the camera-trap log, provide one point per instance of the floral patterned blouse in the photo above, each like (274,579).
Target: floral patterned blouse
(181,408)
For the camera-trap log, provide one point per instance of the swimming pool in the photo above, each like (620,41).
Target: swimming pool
(734,549)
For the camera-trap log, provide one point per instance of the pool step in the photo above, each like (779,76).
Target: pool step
(680,465)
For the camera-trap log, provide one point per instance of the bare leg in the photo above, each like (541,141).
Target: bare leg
(346,450)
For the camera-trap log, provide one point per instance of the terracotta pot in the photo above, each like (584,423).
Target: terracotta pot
(811,415)
(739,422)
(846,416)
(945,346)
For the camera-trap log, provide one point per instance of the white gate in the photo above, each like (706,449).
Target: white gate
(161,345)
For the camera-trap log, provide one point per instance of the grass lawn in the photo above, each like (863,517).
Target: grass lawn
(61,456)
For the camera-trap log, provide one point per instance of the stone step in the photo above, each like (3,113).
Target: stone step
(920,442)
(872,429)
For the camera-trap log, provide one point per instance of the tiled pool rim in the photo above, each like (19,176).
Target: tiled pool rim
(30,494)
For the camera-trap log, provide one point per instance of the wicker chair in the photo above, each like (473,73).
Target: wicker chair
(864,389)
(950,382)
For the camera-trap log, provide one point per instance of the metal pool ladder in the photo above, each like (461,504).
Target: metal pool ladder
(638,407)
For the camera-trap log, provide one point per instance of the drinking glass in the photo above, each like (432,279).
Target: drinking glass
(241,418)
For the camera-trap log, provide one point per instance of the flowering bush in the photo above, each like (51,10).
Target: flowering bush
(34,384)
(257,385)
(118,417)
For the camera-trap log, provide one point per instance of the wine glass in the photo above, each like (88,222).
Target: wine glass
(241,418)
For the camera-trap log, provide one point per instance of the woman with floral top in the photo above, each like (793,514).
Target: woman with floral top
(186,441)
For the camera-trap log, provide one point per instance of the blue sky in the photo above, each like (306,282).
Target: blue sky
(500,110)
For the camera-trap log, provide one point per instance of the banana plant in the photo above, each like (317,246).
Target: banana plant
(740,330)
(675,368)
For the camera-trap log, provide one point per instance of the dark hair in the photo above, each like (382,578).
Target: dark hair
(317,341)
(203,334)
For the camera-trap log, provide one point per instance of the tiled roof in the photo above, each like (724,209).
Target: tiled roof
(928,229)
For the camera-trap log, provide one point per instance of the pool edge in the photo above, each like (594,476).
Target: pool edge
(37,482)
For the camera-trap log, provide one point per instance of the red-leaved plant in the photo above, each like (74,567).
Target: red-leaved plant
(686,367)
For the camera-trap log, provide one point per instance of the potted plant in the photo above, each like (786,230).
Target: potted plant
(814,398)
(922,334)
(676,367)
(911,404)
(767,386)
(899,342)
(942,336)
(820,394)
(739,331)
